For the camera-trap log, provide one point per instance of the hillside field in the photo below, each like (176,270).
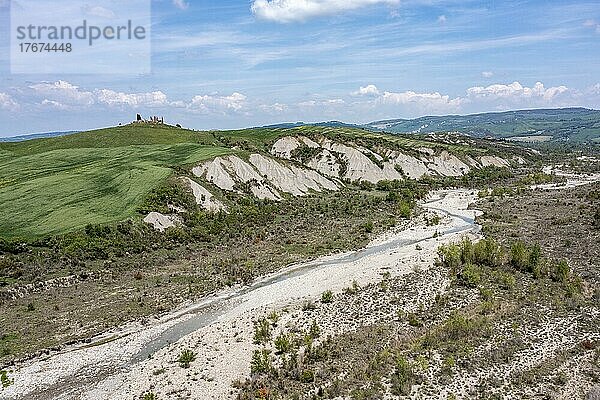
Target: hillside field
(52,186)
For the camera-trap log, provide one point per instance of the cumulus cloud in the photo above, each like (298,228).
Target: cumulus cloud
(112,98)
(369,90)
(181,4)
(276,108)
(7,102)
(64,93)
(55,105)
(516,91)
(218,104)
(322,103)
(285,11)
(427,101)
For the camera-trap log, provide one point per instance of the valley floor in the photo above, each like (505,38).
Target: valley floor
(220,329)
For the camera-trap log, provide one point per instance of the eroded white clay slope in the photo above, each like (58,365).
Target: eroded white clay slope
(267,178)
(361,164)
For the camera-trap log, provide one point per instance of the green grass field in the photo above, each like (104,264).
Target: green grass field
(52,186)
(58,185)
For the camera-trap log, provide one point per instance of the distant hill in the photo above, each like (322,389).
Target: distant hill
(22,138)
(550,125)
(328,124)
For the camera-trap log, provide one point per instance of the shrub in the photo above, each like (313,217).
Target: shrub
(352,289)
(261,362)
(186,358)
(314,331)
(467,251)
(506,280)
(470,275)
(307,376)
(403,378)
(450,257)
(488,252)
(5,380)
(413,320)
(561,271)
(404,209)
(327,297)
(283,344)
(274,317)
(262,331)
(519,256)
(149,396)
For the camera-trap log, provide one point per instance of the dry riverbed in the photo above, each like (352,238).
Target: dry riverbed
(138,359)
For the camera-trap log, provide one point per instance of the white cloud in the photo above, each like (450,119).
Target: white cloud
(112,98)
(442,19)
(322,103)
(55,104)
(595,90)
(285,11)
(276,108)
(64,93)
(7,102)
(592,23)
(487,74)
(369,90)
(181,4)
(516,91)
(218,104)
(428,101)
(98,11)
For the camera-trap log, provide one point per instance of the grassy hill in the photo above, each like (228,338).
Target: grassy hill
(55,185)
(61,184)
(558,125)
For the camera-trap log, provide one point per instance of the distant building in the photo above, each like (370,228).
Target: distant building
(153,120)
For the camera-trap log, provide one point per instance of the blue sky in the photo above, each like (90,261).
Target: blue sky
(230,64)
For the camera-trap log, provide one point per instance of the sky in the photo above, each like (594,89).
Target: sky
(232,64)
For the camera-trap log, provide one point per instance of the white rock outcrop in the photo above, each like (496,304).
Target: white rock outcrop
(204,198)
(162,222)
(284,147)
(267,178)
(357,163)
(447,164)
(487,161)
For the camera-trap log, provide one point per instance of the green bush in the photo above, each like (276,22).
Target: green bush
(519,256)
(327,297)
(5,380)
(307,376)
(470,275)
(403,378)
(488,252)
(149,396)
(261,362)
(283,344)
(314,331)
(450,257)
(561,271)
(186,358)
(262,331)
